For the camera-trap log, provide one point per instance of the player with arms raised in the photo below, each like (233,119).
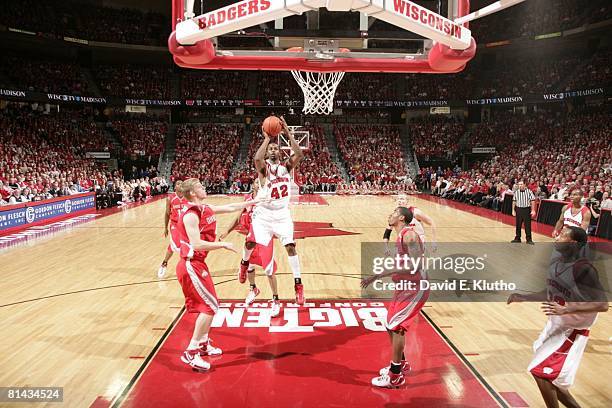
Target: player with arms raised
(273,218)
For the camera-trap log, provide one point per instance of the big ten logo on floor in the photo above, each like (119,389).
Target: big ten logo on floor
(313,315)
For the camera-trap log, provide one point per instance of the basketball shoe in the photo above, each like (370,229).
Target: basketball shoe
(405,369)
(299,294)
(207,349)
(161,272)
(193,359)
(275,308)
(242,272)
(253,293)
(389,381)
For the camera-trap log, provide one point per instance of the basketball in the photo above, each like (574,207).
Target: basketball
(272,126)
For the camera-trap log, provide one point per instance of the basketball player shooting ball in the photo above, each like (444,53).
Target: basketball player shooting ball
(197,234)
(406,304)
(273,218)
(571,300)
(174,203)
(262,255)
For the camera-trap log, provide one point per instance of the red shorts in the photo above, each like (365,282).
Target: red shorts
(198,287)
(175,243)
(404,306)
(264,257)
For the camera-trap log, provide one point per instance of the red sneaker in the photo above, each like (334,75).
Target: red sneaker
(242,272)
(299,294)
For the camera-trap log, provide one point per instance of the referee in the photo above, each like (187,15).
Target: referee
(523,207)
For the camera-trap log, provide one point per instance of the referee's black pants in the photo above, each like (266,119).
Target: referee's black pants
(523,215)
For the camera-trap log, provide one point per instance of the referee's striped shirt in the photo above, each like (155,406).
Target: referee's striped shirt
(523,198)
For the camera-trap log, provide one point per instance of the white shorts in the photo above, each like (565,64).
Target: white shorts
(558,352)
(269,224)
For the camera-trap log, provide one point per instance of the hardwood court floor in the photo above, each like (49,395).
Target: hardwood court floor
(83,309)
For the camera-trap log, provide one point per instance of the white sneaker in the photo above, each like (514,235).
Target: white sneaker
(253,293)
(389,381)
(161,272)
(405,369)
(193,359)
(275,308)
(207,349)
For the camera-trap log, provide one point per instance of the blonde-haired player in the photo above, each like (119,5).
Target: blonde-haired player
(273,218)
(197,234)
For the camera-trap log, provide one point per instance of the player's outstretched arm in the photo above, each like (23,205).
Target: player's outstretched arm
(231,227)
(425,219)
(222,209)
(559,224)
(167,217)
(298,154)
(260,154)
(193,232)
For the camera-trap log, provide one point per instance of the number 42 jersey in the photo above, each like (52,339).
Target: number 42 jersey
(277,187)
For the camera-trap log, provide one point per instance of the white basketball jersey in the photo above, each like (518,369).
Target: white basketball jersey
(416,224)
(277,187)
(571,220)
(561,287)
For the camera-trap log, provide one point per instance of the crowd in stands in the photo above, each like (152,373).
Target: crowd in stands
(141,136)
(132,81)
(43,155)
(359,144)
(435,136)
(215,84)
(552,153)
(88,21)
(43,76)
(207,151)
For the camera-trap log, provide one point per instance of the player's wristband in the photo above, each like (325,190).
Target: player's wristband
(387,234)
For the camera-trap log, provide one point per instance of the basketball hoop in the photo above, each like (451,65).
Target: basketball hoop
(319,89)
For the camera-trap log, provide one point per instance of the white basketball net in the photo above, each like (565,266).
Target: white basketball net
(319,89)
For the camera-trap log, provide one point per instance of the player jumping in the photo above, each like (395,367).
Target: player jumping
(262,256)
(273,218)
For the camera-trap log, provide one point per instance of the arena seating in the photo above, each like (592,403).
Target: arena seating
(357,145)
(435,137)
(132,81)
(206,151)
(85,21)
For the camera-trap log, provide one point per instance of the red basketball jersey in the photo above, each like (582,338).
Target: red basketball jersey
(176,203)
(402,250)
(247,214)
(207,226)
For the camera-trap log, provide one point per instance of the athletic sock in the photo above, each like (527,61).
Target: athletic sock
(193,345)
(396,368)
(246,254)
(294,263)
